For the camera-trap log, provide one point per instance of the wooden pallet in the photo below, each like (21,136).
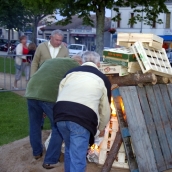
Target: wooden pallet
(107,142)
(151,60)
(128,39)
(149,118)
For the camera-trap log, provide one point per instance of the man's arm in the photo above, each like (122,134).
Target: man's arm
(104,111)
(36,60)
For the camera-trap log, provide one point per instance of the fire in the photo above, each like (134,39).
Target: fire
(113,107)
(122,106)
(94,147)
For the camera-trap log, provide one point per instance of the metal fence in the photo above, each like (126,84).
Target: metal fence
(7,74)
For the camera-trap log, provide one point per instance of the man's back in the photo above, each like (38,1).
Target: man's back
(83,98)
(43,85)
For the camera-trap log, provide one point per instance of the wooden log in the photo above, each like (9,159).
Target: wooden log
(133,79)
(162,80)
(170,80)
(112,153)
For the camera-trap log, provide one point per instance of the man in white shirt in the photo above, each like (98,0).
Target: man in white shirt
(49,50)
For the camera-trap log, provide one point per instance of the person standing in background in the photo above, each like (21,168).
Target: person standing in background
(49,50)
(21,63)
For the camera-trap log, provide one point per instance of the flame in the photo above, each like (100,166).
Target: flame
(122,106)
(94,147)
(113,107)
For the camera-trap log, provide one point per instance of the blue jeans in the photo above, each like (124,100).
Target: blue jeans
(76,140)
(36,109)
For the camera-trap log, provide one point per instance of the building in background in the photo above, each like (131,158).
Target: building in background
(77,33)
(4,34)
(164,30)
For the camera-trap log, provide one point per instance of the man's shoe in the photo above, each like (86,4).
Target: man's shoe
(50,166)
(38,156)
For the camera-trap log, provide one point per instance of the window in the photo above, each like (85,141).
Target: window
(168,18)
(119,20)
(131,18)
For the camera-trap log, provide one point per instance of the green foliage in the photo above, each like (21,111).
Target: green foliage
(12,14)
(151,8)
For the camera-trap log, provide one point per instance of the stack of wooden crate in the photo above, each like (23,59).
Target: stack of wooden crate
(142,52)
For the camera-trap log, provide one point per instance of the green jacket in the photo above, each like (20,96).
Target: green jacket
(44,84)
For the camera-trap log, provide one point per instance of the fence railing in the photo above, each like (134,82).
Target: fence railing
(7,74)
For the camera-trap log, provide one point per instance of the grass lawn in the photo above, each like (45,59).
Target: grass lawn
(7,65)
(14,118)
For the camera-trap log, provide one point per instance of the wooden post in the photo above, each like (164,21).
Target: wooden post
(112,153)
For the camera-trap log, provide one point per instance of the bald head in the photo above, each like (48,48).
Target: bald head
(77,58)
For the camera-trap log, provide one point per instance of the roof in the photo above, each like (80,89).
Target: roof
(76,23)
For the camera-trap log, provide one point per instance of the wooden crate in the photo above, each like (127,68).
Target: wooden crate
(128,39)
(151,60)
(106,144)
(133,67)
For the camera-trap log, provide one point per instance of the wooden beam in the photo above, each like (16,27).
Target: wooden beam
(112,153)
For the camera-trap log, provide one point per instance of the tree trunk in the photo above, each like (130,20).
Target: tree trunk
(112,153)
(35,24)
(100,16)
(133,79)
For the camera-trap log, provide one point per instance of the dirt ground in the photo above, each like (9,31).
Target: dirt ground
(17,157)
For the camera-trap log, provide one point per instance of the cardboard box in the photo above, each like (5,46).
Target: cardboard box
(119,56)
(108,69)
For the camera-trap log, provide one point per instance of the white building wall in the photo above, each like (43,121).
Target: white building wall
(125,16)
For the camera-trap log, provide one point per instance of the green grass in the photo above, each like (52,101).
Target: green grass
(7,65)
(14,118)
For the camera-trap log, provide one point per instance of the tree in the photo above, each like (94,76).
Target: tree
(12,15)
(38,10)
(82,8)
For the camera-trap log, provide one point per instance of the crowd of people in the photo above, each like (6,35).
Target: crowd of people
(72,92)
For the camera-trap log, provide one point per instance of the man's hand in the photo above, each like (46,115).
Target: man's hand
(102,133)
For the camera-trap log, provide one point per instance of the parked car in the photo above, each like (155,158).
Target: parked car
(39,41)
(3,43)
(13,45)
(76,48)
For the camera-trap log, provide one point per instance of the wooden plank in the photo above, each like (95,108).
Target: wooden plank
(144,37)
(169,86)
(165,120)
(133,67)
(126,140)
(137,127)
(159,125)
(167,102)
(151,129)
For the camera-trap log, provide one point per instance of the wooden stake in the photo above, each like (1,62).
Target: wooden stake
(112,153)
